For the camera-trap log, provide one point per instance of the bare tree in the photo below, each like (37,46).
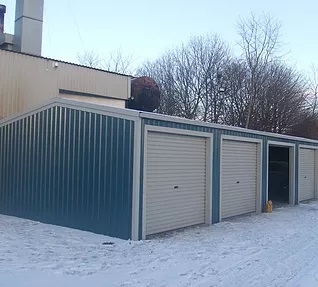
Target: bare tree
(261,92)
(210,56)
(161,71)
(187,77)
(313,91)
(259,41)
(118,62)
(235,79)
(307,126)
(115,61)
(278,105)
(90,59)
(281,101)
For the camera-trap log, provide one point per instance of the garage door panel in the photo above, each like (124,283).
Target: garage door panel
(155,192)
(186,191)
(168,183)
(239,202)
(177,206)
(189,150)
(238,211)
(248,186)
(174,160)
(251,195)
(179,221)
(170,138)
(170,212)
(306,174)
(193,170)
(154,225)
(195,165)
(239,178)
(156,228)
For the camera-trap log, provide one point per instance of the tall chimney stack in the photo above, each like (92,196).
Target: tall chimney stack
(2,12)
(28,26)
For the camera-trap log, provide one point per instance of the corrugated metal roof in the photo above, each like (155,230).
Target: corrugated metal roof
(68,63)
(95,107)
(167,118)
(80,105)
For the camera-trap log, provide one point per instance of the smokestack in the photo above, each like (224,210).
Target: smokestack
(28,26)
(2,12)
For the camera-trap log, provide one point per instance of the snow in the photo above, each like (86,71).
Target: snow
(278,249)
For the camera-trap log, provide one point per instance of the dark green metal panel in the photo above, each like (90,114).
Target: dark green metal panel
(297,174)
(264,174)
(69,167)
(216,176)
(141,179)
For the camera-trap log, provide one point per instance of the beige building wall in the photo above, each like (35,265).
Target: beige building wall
(27,81)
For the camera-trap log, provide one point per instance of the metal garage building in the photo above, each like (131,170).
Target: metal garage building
(131,174)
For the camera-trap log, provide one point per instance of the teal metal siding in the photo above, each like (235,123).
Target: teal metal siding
(264,173)
(141,183)
(297,173)
(216,172)
(71,168)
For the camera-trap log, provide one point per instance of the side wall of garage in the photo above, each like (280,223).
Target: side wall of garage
(69,167)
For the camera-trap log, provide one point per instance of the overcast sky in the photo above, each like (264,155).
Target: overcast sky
(147,28)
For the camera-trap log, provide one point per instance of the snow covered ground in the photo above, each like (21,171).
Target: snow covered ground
(278,249)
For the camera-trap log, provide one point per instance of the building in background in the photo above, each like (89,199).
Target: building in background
(28,79)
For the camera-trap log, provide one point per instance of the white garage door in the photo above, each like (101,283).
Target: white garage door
(306,174)
(175,181)
(239,178)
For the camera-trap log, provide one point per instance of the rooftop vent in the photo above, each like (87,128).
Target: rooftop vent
(28,26)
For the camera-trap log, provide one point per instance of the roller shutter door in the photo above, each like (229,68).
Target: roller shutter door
(306,174)
(175,181)
(239,178)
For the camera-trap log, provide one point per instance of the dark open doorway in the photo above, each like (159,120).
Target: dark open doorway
(278,175)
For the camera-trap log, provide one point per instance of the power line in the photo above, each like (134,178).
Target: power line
(75,23)
(47,24)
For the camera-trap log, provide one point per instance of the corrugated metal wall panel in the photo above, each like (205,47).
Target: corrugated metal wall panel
(92,81)
(69,167)
(307,174)
(27,81)
(175,181)
(216,172)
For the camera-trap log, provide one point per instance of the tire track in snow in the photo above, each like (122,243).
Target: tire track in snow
(258,267)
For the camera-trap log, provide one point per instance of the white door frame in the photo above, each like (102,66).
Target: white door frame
(315,148)
(209,164)
(292,168)
(259,180)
